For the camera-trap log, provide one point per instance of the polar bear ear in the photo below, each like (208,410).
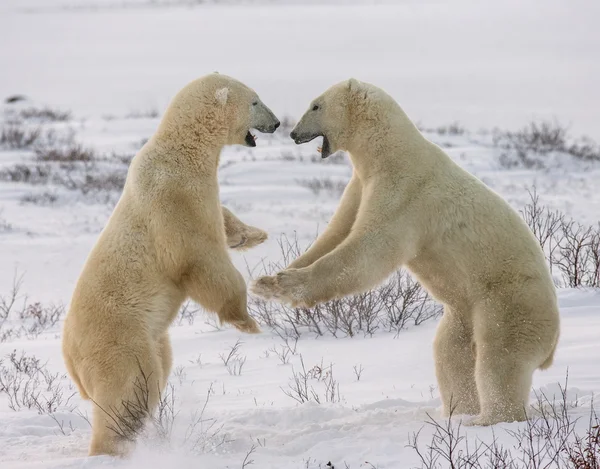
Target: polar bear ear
(357,89)
(354,84)
(221,95)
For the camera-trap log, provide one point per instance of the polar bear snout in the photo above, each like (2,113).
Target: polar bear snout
(263,119)
(303,137)
(268,129)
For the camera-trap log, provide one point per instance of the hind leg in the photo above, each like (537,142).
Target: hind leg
(455,365)
(125,393)
(509,349)
(503,383)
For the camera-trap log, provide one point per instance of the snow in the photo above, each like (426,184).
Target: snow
(115,65)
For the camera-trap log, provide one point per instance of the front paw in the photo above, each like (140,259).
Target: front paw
(266,287)
(291,286)
(247,238)
(254,237)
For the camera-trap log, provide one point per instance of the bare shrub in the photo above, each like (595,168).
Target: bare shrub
(64,154)
(234,367)
(247,461)
(41,198)
(187,313)
(548,440)
(30,174)
(144,114)
(392,306)
(37,318)
(302,384)
(570,247)
(358,370)
(232,360)
(203,433)
(18,317)
(45,114)
(287,350)
(585,149)
(102,181)
(338,157)
(544,223)
(18,136)
(328,185)
(454,128)
(28,384)
(577,256)
(529,146)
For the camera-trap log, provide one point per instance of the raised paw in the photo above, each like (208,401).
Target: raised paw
(266,287)
(291,286)
(246,238)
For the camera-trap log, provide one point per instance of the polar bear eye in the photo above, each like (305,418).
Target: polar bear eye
(315,107)
(255,103)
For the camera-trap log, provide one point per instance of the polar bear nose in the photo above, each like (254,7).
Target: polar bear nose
(293,135)
(276,126)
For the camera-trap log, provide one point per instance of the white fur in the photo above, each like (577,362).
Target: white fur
(408,204)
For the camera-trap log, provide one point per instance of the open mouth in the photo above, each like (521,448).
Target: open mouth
(250,139)
(324,149)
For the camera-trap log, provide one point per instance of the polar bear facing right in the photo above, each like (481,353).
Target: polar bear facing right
(408,204)
(165,241)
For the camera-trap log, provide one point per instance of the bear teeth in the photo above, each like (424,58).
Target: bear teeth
(320,149)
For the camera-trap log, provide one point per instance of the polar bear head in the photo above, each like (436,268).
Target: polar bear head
(226,108)
(342,115)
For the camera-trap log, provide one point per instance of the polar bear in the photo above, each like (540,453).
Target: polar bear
(166,241)
(408,204)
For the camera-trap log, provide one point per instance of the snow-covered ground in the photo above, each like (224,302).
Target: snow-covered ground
(115,64)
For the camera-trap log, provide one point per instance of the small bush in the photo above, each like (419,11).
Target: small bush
(531,146)
(43,198)
(302,384)
(454,128)
(548,440)
(64,154)
(30,174)
(45,114)
(318,185)
(19,317)
(17,136)
(27,384)
(145,114)
(570,247)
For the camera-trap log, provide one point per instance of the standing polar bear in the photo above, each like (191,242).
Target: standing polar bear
(166,241)
(408,204)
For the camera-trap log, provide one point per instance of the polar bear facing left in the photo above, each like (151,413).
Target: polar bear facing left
(166,241)
(409,205)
